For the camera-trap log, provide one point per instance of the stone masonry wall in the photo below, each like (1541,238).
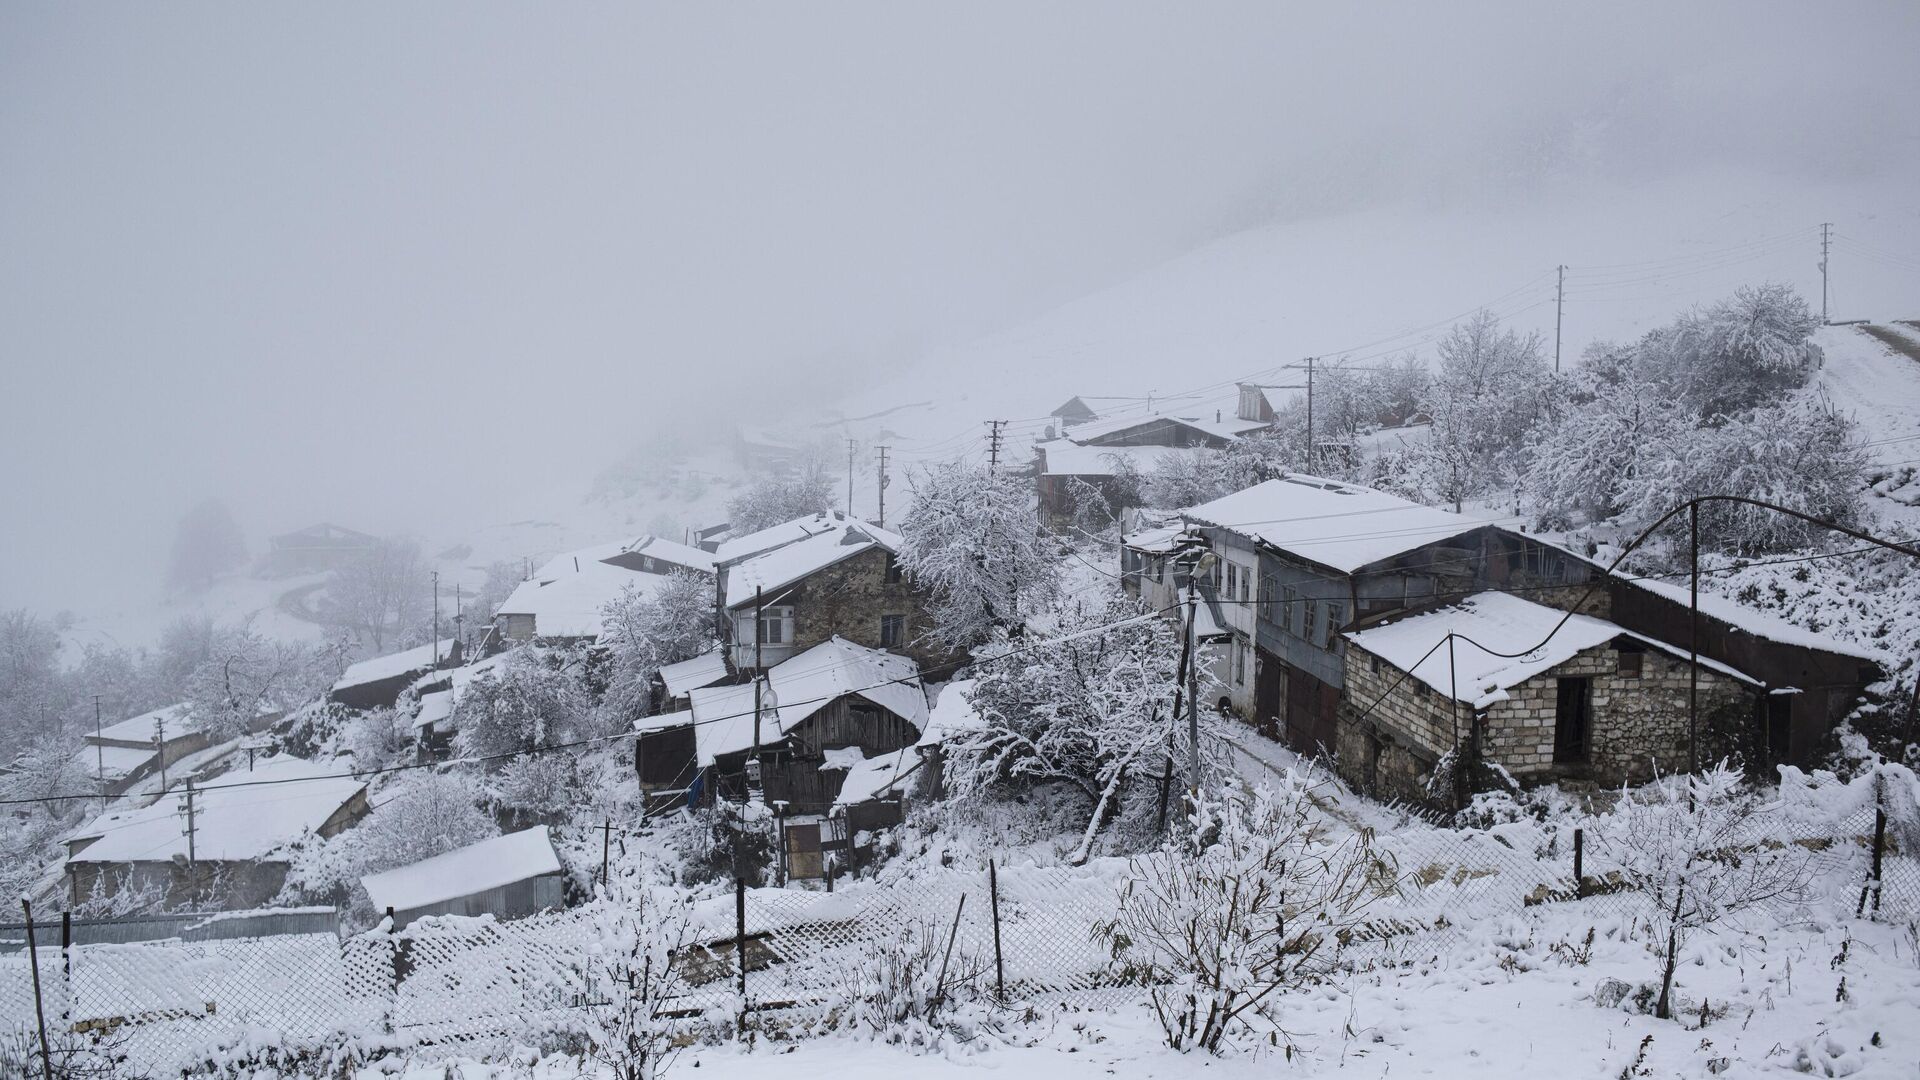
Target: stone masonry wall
(849,598)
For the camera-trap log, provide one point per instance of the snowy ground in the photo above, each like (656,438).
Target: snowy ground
(1878,388)
(1508,1000)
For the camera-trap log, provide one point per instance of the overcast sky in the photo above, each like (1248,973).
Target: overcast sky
(369,262)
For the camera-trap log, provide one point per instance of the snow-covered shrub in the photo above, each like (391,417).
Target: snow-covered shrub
(908,988)
(246,673)
(1260,898)
(1736,353)
(770,500)
(1092,512)
(376,738)
(973,541)
(421,815)
(70,1055)
(537,786)
(633,971)
(1696,850)
(534,698)
(1093,711)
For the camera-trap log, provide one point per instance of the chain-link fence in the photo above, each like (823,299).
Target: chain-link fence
(783,956)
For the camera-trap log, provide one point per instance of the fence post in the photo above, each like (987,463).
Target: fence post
(940,985)
(740,938)
(39,1010)
(1879,846)
(66,969)
(1579,864)
(606,850)
(999,966)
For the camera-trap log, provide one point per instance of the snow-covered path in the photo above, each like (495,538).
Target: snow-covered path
(1865,379)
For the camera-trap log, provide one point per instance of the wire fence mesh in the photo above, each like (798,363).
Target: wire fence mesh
(1022,934)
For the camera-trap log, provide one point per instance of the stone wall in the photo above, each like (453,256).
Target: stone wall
(849,598)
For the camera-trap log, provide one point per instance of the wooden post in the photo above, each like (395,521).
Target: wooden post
(66,968)
(1579,864)
(740,937)
(606,848)
(940,985)
(993,892)
(1872,884)
(39,1010)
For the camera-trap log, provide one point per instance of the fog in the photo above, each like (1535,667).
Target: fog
(398,266)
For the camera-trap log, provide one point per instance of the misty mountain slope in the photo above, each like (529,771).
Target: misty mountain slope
(1368,285)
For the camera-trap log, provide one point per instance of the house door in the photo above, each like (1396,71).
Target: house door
(1269,694)
(1572,717)
(1779,734)
(803,851)
(1312,708)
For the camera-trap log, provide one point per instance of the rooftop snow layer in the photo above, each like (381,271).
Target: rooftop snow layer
(1157,541)
(489,864)
(876,776)
(1343,526)
(689,675)
(789,563)
(1227,427)
(178,719)
(1063,458)
(567,603)
(665,721)
(1489,623)
(1758,623)
(802,686)
(669,551)
(405,662)
(773,536)
(239,816)
(112,762)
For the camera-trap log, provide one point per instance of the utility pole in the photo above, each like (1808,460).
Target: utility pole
(1559,309)
(993,444)
(1826,243)
(759,684)
(852,445)
(99,752)
(883,485)
(160,745)
(436,620)
(1693,638)
(187,810)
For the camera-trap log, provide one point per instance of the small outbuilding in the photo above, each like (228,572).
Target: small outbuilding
(377,682)
(509,877)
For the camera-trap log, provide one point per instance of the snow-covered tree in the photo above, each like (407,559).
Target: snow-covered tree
(1254,902)
(634,977)
(537,786)
(972,540)
(422,814)
(383,595)
(1092,710)
(1608,440)
(32,697)
(532,699)
(770,500)
(206,543)
(1490,390)
(376,738)
(1739,352)
(246,674)
(1693,849)
(647,629)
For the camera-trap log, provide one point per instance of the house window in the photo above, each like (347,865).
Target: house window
(893,571)
(1289,613)
(893,631)
(1239,662)
(1630,661)
(1233,580)
(1316,626)
(1269,590)
(1373,664)
(1335,616)
(776,625)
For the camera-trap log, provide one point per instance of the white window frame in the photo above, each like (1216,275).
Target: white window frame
(777,615)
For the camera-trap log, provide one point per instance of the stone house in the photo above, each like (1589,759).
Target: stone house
(1541,693)
(562,601)
(796,586)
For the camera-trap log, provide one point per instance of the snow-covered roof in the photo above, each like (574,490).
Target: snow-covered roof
(112,762)
(689,675)
(178,718)
(434,708)
(1758,623)
(877,776)
(1063,458)
(488,864)
(1155,541)
(566,603)
(773,536)
(784,565)
(656,547)
(952,713)
(1226,427)
(1343,526)
(405,662)
(1493,622)
(802,686)
(241,815)
(665,721)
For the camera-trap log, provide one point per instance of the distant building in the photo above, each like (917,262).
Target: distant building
(1115,472)
(1165,429)
(122,754)
(315,549)
(1074,411)
(508,877)
(378,681)
(562,601)
(235,855)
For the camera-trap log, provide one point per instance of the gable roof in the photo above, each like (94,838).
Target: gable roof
(1225,428)
(802,686)
(1342,526)
(1494,622)
(488,864)
(664,550)
(177,717)
(689,675)
(773,536)
(281,800)
(566,602)
(788,563)
(1752,621)
(392,665)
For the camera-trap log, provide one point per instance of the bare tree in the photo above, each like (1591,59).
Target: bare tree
(206,543)
(382,594)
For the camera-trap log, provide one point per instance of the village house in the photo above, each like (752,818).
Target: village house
(817,719)
(378,681)
(1116,473)
(1165,429)
(315,549)
(1541,693)
(794,586)
(122,754)
(508,877)
(231,852)
(1150,572)
(562,602)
